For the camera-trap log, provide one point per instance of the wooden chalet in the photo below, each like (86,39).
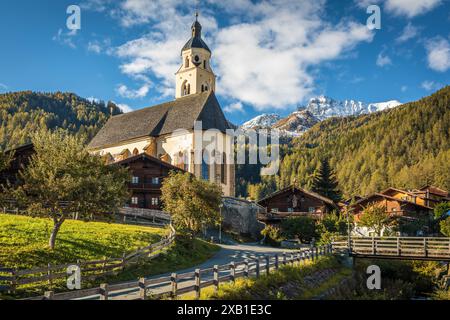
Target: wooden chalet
(393,203)
(428,197)
(147,175)
(295,202)
(20,159)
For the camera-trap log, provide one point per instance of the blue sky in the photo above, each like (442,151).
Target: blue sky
(269,56)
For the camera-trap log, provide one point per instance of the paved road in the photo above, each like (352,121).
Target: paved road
(227,254)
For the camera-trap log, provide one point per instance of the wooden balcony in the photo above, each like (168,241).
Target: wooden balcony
(144,186)
(272,216)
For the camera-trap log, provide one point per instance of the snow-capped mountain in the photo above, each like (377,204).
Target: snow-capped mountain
(263,121)
(296,123)
(318,109)
(324,107)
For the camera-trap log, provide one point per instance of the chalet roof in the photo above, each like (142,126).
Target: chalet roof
(375,195)
(144,156)
(397,190)
(435,190)
(163,119)
(24,147)
(310,193)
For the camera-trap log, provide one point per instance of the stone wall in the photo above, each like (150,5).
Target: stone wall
(240,217)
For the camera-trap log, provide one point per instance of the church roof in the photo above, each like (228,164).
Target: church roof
(163,119)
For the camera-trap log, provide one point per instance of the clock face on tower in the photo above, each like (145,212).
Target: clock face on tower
(197,60)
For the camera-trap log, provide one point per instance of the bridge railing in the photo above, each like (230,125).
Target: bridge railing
(423,247)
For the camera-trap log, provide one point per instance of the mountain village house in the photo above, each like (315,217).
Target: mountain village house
(295,202)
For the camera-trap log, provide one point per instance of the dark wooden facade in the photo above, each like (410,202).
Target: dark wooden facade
(20,159)
(147,175)
(294,201)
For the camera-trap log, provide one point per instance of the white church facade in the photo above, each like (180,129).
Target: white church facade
(168,132)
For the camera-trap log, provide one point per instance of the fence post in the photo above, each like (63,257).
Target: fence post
(14,281)
(216,278)
(267,265)
(123,261)
(49,274)
(257,267)
(292,260)
(142,289)
(425,247)
(197,284)
(398,246)
(246,269)
(233,271)
(48,295)
(174,282)
(104,291)
(284,258)
(276,262)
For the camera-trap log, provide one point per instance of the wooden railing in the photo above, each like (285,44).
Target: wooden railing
(285,215)
(179,284)
(424,248)
(11,279)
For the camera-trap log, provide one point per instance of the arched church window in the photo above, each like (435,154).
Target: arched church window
(186,63)
(223,169)
(185,88)
(205,166)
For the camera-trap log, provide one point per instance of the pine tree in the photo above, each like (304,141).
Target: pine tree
(325,182)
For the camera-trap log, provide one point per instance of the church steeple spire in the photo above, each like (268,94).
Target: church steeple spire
(195,75)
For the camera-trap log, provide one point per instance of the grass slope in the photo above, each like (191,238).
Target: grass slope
(24,241)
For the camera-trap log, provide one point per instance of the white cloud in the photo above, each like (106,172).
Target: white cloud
(94,47)
(430,85)
(438,54)
(125,92)
(411,8)
(408,8)
(124,107)
(383,60)
(408,33)
(404,88)
(259,60)
(234,107)
(3,87)
(65,38)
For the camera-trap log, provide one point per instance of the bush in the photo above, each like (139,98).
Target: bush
(331,226)
(272,235)
(302,228)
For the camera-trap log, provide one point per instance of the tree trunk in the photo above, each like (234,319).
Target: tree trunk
(56,226)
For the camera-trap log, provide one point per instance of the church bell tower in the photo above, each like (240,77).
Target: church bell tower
(195,75)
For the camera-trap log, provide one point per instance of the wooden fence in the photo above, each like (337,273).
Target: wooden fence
(193,281)
(11,279)
(423,248)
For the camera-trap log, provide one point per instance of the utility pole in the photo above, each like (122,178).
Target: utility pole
(220,223)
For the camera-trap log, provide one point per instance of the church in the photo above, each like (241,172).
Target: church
(165,136)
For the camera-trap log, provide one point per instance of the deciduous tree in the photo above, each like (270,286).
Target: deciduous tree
(192,203)
(63,179)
